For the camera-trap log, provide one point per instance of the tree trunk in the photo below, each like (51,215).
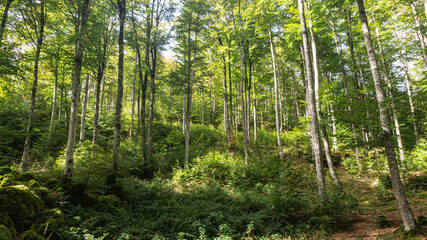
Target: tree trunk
(84,105)
(133,99)
(69,154)
(276,97)
(52,116)
(315,135)
(121,5)
(322,127)
(387,135)
(408,90)
(98,105)
(347,96)
(29,131)
(420,34)
(242,79)
(4,19)
(226,120)
(391,95)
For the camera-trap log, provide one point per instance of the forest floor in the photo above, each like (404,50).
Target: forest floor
(374,203)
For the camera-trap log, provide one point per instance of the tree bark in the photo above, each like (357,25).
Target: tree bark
(322,127)
(315,135)
(409,92)
(347,96)
(121,5)
(391,94)
(242,79)
(84,106)
(276,93)
(78,61)
(387,135)
(4,18)
(29,131)
(52,116)
(133,99)
(420,33)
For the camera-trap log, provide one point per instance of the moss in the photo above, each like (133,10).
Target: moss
(31,235)
(27,176)
(20,205)
(52,183)
(33,184)
(5,170)
(7,179)
(46,196)
(53,219)
(7,233)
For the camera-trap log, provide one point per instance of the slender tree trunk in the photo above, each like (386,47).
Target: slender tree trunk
(255,112)
(276,97)
(121,5)
(84,105)
(420,34)
(391,94)
(29,131)
(190,74)
(99,76)
(334,129)
(408,90)
(242,71)
(4,19)
(150,115)
(347,96)
(322,127)
(231,88)
(226,120)
(52,116)
(387,135)
(69,154)
(133,99)
(315,135)
(295,97)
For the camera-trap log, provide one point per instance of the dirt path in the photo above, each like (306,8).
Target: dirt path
(373,203)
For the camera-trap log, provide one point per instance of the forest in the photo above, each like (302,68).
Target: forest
(213,119)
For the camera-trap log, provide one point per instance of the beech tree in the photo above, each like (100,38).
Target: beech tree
(387,134)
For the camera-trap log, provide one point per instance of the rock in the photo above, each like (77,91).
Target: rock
(20,205)
(27,176)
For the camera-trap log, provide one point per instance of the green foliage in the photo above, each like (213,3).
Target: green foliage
(417,159)
(31,235)
(382,222)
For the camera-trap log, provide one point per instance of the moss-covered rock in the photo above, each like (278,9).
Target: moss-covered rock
(46,195)
(33,184)
(7,233)
(20,205)
(7,179)
(5,170)
(31,235)
(52,220)
(52,183)
(27,176)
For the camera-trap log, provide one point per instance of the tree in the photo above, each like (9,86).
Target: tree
(121,7)
(315,135)
(78,62)
(4,18)
(387,135)
(36,18)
